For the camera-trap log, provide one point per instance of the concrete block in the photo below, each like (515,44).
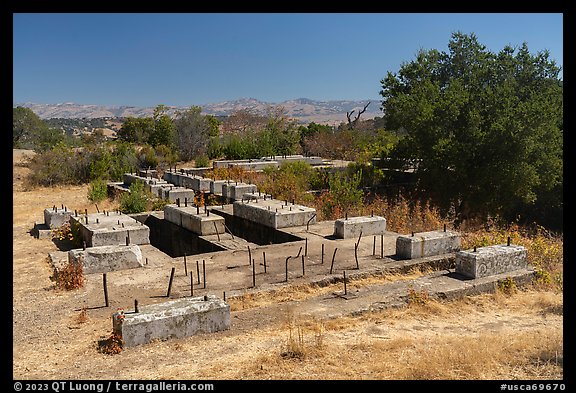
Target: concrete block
(195,220)
(235,190)
(491,260)
(351,227)
(274,213)
(425,244)
(54,218)
(107,258)
(111,229)
(178,318)
(216,186)
(201,184)
(180,193)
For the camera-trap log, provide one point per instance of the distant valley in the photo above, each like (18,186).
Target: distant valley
(301,109)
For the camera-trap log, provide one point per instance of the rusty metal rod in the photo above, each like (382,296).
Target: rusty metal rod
(333,256)
(105,289)
(170,282)
(287,267)
(204,273)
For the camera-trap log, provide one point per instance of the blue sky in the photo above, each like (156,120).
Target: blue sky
(148,59)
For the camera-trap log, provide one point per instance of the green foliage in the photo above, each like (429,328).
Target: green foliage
(202,162)
(64,165)
(135,201)
(290,181)
(486,127)
(344,195)
(147,157)
(193,131)
(31,132)
(136,130)
(97,190)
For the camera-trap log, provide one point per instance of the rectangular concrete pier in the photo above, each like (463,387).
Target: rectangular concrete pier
(275,213)
(110,229)
(351,227)
(178,318)
(195,220)
(425,244)
(491,260)
(55,218)
(104,259)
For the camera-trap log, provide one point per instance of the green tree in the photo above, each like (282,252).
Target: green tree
(485,129)
(136,129)
(31,132)
(163,132)
(193,131)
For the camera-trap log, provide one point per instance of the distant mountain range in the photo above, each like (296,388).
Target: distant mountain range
(302,109)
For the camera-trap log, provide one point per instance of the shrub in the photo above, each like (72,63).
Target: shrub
(97,190)
(135,201)
(202,162)
(70,277)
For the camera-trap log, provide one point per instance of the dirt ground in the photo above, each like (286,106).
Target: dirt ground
(490,336)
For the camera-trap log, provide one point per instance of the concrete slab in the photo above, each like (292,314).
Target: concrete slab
(491,260)
(104,259)
(178,318)
(424,244)
(351,227)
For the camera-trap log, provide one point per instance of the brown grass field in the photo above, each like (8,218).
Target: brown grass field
(485,337)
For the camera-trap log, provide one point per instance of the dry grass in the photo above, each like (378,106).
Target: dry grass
(302,292)
(341,349)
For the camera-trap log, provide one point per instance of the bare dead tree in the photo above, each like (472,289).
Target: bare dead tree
(352,123)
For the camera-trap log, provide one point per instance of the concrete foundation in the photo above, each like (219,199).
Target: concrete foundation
(195,220)
(425,244)
(491,260)
(53,218)
(107,258)
(172,319)
(274,213)
(110,229)
(351,227)
(216,186)
(235,191)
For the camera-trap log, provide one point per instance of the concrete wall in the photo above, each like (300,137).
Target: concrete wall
(175,240)
(425,244)
(107,258)
(351,227)
(254,232)
(172,319)
(491,260)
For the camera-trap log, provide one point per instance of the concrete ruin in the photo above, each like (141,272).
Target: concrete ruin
(104,259)
(424,244)
(177,318)
(110,229)
(345,228)
(195,220)
(274,213)
(55,217)
(491,260)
